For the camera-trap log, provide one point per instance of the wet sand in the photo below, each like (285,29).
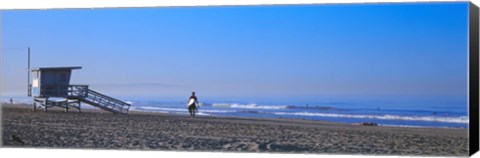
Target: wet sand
(92,129)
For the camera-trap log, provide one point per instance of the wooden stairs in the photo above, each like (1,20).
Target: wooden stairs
(91,97)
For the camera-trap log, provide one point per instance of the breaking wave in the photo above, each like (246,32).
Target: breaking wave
(460,119)
(269,107)
(160,109)
(249,106)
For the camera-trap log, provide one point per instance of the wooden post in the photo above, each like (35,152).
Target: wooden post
(28,73)
(34,106)
(79,106)
(66,106)
(45,103)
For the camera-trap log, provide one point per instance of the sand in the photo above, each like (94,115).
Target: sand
(153,131)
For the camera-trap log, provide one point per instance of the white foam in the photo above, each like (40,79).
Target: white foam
(168,110)
(218,111)
(461,119)
(412,126)
(161,108)
(249,106)
(151,108)
(203,114)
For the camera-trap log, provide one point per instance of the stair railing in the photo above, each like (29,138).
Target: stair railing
(82,91)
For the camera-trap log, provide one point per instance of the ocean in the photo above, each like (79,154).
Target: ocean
(404,111)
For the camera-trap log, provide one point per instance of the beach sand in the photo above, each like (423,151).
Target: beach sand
(93,129)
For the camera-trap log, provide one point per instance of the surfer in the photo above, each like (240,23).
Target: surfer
(192,105)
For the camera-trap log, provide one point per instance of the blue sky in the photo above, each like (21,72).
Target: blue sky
(246,51)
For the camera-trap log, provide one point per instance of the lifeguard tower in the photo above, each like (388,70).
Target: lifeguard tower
(50,86)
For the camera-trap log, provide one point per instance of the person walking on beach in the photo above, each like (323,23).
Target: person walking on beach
(192,105)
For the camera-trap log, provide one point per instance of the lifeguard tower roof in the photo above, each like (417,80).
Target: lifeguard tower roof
(56,68)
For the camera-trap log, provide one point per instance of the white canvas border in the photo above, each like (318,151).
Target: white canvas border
(80,153)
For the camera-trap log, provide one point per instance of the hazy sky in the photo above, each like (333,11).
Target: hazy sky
(275,51)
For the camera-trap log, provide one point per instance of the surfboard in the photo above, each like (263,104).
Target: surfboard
(190,102)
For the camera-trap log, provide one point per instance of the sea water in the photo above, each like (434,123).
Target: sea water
(404,111)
